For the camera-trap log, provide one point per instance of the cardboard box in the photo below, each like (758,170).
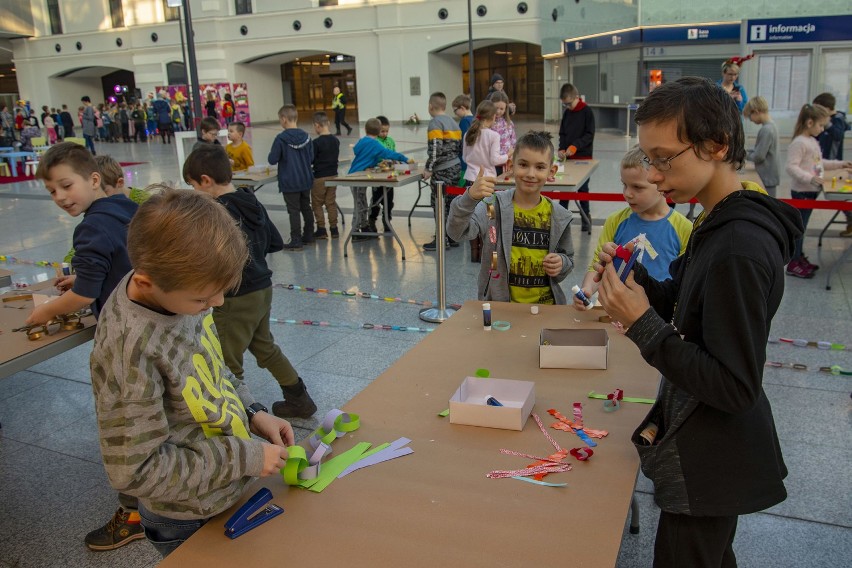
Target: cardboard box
(5,278)
(573,349)
(468,406)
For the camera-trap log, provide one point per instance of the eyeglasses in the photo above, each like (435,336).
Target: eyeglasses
(662,164)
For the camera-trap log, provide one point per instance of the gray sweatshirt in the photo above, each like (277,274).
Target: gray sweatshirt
(468,219)
(173,429)
(765,155)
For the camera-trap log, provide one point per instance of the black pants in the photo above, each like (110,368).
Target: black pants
(165,129)
(695,542)
(376,203)
(139,132)
(299,208)
(125,131)
(340,118)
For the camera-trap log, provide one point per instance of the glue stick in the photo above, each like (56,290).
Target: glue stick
(578,293)
(486,316)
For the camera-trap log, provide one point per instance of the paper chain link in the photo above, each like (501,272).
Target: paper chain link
(299,466)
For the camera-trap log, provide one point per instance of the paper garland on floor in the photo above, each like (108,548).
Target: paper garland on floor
(824,345)
(361,295)
(832,370)
(373,326)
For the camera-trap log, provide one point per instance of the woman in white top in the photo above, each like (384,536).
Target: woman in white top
(481,149)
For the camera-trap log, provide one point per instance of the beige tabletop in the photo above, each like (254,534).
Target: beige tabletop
(378,179)
(256,179)
(17,352)
(436,507)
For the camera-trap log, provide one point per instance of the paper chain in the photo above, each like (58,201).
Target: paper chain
(832,370)
(824,345)
(375,326)
(361,295)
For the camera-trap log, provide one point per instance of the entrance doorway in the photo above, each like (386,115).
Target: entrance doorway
(312,79)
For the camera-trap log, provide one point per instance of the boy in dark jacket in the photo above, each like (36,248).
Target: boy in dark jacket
(576,139)
(709,442)
(293,152)
(243,320)
(326,156)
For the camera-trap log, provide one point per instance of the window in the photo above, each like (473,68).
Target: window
(55,16)
(171,14)
(242,6)
(782,79)
(116,11)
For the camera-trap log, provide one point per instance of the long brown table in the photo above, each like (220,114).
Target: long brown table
(436,507)
(17,352)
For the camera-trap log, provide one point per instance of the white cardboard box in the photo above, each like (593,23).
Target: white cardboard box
(468,406)
(573,349)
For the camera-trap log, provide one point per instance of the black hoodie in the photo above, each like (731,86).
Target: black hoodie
(717,451)
(262,236)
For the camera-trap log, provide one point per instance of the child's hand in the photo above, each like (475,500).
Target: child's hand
(560,154)
(411,161)
(426,174)
(817,181)
(623,302)
(39,316)
(483,186)
(274,458)
(570,151)
(552,264)
(277,430)
(578,305)
(65,283)
(605,257)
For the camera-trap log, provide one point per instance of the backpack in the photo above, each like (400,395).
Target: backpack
(227,109)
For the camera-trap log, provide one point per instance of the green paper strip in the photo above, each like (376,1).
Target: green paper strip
(444,413)
(593,394)
(537,482)
(296,462)
(378,448)
(334,467)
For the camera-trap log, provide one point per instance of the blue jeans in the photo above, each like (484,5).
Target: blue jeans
(167,534)
(90,142)
(806,215)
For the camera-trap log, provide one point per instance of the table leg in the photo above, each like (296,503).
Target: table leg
(690,215)
(827,225)
(13,162)
(587,220)
(388,221)
(840,261)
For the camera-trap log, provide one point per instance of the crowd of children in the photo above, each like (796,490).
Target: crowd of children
(175,416)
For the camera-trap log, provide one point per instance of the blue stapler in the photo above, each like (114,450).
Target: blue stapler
(253,514)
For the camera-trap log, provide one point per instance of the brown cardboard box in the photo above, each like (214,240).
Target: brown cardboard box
(573,349)
(5,277)
(468,404)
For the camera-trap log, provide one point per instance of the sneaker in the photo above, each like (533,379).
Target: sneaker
(847,232)
(452,243)
(320,233)
(121,529)
(431,246)
(385,229)
(308,239)
(293,246)
(335,234)
(371,227)
(799,269)
(813,267)
(348,130)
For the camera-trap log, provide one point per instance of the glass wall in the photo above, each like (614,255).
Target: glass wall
(311,81)
(522,69)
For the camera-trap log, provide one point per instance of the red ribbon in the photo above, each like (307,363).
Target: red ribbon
(582,454)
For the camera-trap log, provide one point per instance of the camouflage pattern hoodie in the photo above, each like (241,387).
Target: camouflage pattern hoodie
(173,429)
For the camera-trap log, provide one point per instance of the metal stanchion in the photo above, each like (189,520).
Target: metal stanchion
(439,313)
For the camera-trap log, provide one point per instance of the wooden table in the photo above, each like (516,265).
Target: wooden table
(255,180)
(436,507)
(18,353)
(575,173)
(370,179)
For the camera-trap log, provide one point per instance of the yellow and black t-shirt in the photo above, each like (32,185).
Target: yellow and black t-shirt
(528,282)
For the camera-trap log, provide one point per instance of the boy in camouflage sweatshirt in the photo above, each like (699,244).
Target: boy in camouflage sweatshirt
(174,431)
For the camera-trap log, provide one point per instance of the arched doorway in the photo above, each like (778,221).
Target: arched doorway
(313,78)
(98,82)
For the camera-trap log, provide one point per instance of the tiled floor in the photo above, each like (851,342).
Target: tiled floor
(52,486)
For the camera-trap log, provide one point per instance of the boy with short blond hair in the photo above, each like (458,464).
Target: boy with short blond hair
(293,152)
(443,163)
(765,151)
(99,260)
(239,152)
(666,232)
(325,164)
(243,320)
(174,424)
